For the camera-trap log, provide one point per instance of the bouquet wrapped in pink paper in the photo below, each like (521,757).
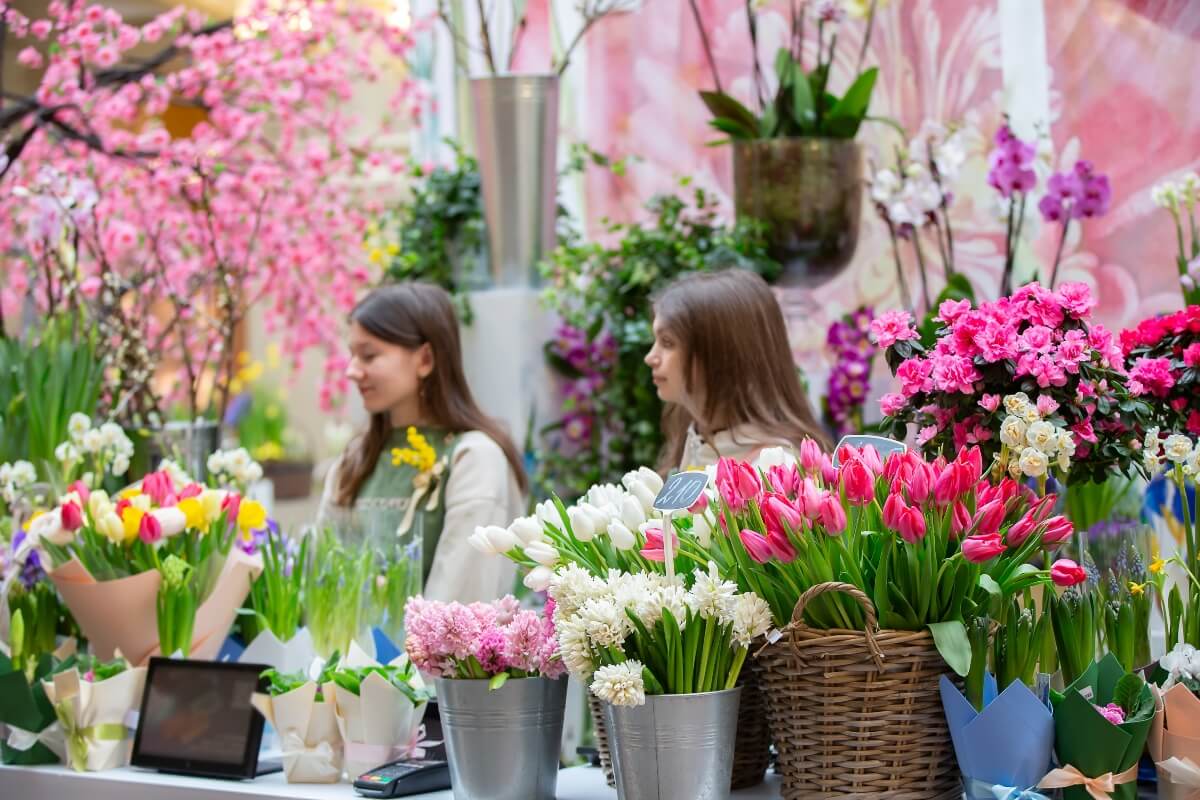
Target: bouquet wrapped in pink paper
(1175,736)
(154,568)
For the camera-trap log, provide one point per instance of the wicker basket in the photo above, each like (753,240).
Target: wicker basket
(752,750)
(858,713)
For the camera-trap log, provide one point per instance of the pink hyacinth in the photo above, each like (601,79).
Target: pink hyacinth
(1112,712)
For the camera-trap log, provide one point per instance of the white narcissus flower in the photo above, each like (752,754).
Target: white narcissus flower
(1012,431)
(1063,460)
(538,579)
(171,519)
(211,501)
(1043,436)
(78,425)
(620,684)
(112,434)
(527,529)
(93,441)
(621,537)
(751,618)
(543,553)
(1016,404)
(581,524)
(254,473)
(1177,448)
(216,462)
(1033,462)
(66,453)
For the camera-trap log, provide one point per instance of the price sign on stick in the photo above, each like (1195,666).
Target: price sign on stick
(883,445)
(680,491)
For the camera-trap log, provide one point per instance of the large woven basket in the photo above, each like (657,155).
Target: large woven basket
(857,714)
(751,751)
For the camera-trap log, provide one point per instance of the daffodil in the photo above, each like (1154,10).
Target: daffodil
(1157,565)
(193,512)
(131,518)
(129,492)
(32,517)
(251,515)
(1137,589)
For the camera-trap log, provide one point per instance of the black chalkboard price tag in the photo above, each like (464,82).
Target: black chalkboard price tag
(681,491)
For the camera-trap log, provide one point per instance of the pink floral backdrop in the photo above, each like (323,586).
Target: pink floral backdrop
(1123,94)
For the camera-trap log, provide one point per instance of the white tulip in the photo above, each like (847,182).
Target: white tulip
(538,579)
(481,542)
(702,530)
(643,494)
(110,525)
(651,478)
(632,513)
(547,514)
(599,518)
(621,537)
(501,539)
(543,553)
(171,520)
(527,529)
(774,457)
(581,524)
(48,528)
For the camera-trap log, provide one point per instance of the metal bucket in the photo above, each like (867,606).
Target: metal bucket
(516,140)
(502,744)
(675,747)
(189,444)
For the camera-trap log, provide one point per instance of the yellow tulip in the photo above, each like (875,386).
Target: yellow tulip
(193,512)
(251,515)
(129,492)
(211,500)
(98,503)
(142,502)
(131,518)
(111,526)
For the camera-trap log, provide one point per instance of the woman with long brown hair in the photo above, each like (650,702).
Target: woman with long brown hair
(722,364)
(431,465)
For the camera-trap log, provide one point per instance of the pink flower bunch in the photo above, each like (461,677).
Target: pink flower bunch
(1112,712)
(480,640)
(805,523)
(1163,356)
(1038,341)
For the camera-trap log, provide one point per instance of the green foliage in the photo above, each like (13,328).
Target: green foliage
(399,676)
(604,291)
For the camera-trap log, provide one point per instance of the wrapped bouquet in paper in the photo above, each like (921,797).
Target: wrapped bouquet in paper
(153,569)
(307,726)
(32,735)
(1101,724)
(379,709)
(1175,736)
(92,702)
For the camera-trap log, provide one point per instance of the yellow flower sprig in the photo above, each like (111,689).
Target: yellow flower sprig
(419,454)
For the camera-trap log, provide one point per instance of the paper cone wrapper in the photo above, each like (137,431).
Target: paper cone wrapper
(1175,738)
(106,702)
(379,723)
(308,731)
(294,655)
(123,614)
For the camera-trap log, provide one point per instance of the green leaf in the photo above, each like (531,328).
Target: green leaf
(847,114)
(952,642)
(1128,694)
(989,585)
(803,111)
(497,681)
(734,129)
(722,106)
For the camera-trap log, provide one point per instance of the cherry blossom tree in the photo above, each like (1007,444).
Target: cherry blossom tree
(165,242)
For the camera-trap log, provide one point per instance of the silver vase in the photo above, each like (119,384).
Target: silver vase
(675,747)
(516,140)
(188,444)
(502,744)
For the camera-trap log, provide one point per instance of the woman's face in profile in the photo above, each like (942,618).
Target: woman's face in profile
(387,375)
(666,361)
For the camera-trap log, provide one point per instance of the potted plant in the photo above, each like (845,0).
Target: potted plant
(497,669)
(796,164)
(516,139)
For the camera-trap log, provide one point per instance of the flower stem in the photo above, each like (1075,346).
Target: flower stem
(1062,240)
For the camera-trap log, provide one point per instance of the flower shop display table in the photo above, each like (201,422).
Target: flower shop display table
(60,783)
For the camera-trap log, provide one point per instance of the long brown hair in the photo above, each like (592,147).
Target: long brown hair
(735,345)
(410,315)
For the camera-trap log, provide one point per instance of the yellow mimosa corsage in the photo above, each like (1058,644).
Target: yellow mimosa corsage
(422,457)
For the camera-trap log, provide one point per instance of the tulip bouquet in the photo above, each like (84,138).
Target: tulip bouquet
(1179,456)
(165,543)
(481,641)
(631,635)
(1070,371)
(611,527)
(930,542)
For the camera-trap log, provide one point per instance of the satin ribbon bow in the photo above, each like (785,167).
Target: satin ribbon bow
(415,748)
(1184,773)
(321,758)
(1100,787)
(426,483)
(51,736)
(977,790)
(79,738)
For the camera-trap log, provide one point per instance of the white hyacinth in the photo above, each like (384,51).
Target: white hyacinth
(713,597)
(574,647)
(607,624)
(620,684)
(751,618)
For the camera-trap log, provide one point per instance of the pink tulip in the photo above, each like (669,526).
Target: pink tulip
(700,505)
(1040,510)
(653,549)
(738,483)
(159,487)
(781,546)
(72,517)
(1066,572)
(892,508)
(978,549)
(191,490)
(920,484)
(1058,530)
(858,482)
(150,529)
(829,473)
(1020,530)
(960,520)
(784,479)
(912,525)
(810,455)
(756,545)
(777,513)
(945,488)
(832,515)
(971,461)
(80,488)
(989,517)
(808,500)
(870,457)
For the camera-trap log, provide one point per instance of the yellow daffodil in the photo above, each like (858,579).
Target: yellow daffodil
(32,517)
(193,512)
(251,515)
(393,249)
(1157,565)
(129,492)
(131,518)
(1137,589)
